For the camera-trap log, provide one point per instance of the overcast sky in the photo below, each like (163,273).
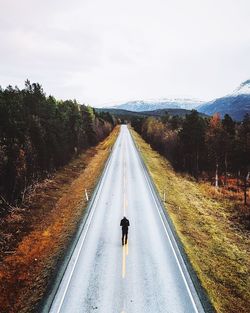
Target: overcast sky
(105,51)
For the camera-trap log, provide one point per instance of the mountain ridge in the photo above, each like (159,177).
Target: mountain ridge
(157,104)
(236,104)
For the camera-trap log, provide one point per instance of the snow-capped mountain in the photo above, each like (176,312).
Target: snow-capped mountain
(236,104)
(243,89)
(156,104)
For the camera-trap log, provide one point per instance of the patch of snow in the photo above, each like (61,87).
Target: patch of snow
(243,89)
(162,103)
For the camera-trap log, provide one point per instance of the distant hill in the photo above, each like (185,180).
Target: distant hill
(236,104)
(171,112)
(128,114)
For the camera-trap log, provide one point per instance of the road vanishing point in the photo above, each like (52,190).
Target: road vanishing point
(146,275)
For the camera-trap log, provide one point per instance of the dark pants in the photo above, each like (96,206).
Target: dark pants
(124,234)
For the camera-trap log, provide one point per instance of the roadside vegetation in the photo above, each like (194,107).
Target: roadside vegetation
(37,233)
(206,220)
(209,149)
(38,135)
(49,156)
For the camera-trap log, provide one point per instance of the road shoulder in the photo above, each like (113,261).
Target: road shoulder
(47,224)
(217,250)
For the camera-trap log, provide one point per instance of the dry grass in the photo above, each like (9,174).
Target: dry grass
(218,249)
(44,228)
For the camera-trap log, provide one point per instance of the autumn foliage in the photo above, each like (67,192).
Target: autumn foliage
(209,148)
(37,235)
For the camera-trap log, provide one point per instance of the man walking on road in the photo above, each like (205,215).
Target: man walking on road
(125,224)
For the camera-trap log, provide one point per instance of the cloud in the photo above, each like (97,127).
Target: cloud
(99,51)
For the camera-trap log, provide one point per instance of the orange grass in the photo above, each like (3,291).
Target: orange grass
(57,206)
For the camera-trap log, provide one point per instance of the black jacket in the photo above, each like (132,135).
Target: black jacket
(124,223)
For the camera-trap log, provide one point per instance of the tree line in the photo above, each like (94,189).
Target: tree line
(212,147)
(39,134)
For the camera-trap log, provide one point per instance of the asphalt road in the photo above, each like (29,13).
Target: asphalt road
(146,275)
